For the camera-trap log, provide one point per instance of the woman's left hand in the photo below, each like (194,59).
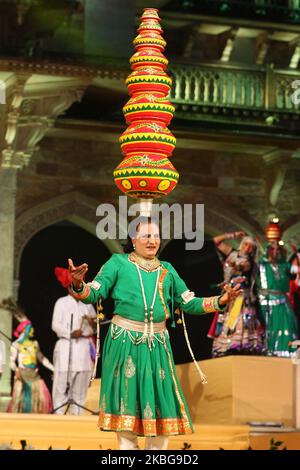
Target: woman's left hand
(230,294)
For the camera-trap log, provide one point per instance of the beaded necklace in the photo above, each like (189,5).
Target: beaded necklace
(146,334)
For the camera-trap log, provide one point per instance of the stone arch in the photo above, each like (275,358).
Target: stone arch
(220,220)
(73,206)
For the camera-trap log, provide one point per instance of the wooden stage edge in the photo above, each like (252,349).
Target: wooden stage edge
(240,390)
(81,433)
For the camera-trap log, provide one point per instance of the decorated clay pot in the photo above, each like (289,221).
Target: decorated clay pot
(148,107)
(148,79)
(147,137)
(273,232)
(146,175)
(148,57)
(149,39)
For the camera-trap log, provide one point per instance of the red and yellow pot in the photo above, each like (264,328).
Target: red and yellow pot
(146,175)
(149,107)
(147,137)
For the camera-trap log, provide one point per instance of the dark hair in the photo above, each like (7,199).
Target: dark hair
(142,219)
(281,250)
(294,256)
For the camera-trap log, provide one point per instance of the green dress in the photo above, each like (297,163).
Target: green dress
(140,391)
(280,320)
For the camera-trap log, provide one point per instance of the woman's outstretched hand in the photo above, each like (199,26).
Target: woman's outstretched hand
(230,294)
(77,273)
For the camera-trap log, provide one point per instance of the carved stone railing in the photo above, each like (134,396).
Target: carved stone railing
(219,89)
(212,86)
(283,90)
(215,86)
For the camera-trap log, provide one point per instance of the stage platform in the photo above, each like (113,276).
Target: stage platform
(81,433)
(241,390)
(232,412)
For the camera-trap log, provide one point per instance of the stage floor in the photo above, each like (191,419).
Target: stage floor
(81,433)
(241,391)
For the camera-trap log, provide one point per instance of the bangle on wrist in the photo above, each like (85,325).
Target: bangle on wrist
(221,306)
(77,289)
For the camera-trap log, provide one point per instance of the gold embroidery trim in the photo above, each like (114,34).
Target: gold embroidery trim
(129,368)
(161,292)
(147,265)
(211,304)
(143,427)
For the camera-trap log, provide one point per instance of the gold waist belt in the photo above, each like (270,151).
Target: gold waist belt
(139,326)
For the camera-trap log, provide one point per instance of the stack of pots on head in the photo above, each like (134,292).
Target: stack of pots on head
(147,143)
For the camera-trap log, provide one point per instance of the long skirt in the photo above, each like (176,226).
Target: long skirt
(140,391)
(30,394)
(241,335)
(281,324)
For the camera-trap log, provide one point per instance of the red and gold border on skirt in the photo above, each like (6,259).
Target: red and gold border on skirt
(144,427)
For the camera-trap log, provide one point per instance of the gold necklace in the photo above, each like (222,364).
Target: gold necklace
(148,335)
(147,265)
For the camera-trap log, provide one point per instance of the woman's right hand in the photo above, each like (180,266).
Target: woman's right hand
(77,273)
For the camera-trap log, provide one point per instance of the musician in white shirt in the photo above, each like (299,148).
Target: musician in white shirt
(73,354)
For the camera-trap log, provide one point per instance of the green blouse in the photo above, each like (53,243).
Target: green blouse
(275,277)
(119,279)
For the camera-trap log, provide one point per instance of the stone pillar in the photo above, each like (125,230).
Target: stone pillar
(7,220)
(23,123)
